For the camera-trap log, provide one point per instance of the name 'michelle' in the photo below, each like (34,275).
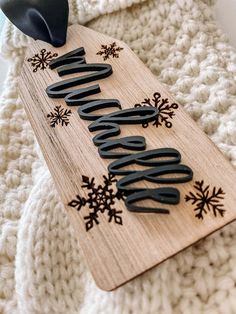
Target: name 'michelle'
(157,162)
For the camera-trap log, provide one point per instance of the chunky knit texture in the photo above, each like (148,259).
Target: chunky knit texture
(42,269)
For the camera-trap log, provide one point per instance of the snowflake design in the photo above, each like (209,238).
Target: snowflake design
(100,199)
(41,60)
(206,201)
(59,116)
(166,110)
(108,51)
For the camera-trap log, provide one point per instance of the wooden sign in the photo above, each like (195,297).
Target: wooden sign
(139,180)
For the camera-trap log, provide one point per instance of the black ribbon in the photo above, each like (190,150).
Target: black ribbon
(45,20)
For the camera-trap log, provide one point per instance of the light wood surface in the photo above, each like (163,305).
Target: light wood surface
(117,253)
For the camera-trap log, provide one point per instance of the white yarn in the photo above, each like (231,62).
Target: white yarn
(42,269)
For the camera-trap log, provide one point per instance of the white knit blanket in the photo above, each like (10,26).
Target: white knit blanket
(42,269)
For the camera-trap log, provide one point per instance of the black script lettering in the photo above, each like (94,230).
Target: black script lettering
(129,142)
(160,162)
(76,55)
(163,195)
(59,90)
(112,120)
(155,175)
(150,158)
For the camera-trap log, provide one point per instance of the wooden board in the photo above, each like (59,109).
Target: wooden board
(117,252)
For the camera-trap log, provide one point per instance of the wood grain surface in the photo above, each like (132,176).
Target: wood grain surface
(117,253)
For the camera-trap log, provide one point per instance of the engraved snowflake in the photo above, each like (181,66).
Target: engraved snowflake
(59,116)
(108,51)
(41,60)
(100,199)
(205,201)
(166,110)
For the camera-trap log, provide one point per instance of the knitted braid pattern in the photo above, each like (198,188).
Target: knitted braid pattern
(42,269)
